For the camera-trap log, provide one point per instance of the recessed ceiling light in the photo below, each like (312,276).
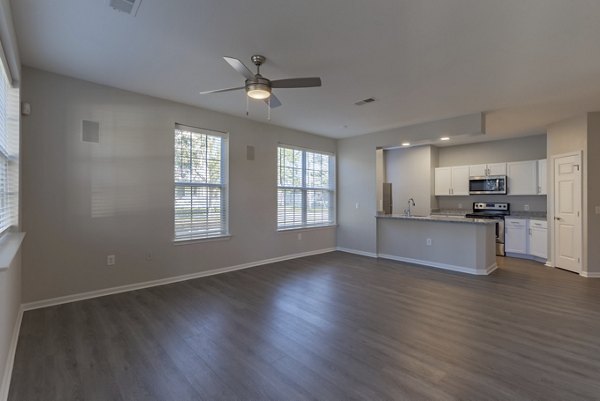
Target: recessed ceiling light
(445,138)
(405,143)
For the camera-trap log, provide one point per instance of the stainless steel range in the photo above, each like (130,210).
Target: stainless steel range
(496,211)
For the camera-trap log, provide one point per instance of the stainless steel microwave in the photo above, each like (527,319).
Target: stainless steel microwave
(490,184)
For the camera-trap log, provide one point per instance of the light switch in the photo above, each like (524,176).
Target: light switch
(357,205)
(597,209)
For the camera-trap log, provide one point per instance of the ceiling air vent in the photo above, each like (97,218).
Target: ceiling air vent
(365,101)
(126,6)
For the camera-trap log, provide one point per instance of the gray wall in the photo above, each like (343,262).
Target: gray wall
(509,150)
(83,201)
(409,171)
(593,191)
(357,175)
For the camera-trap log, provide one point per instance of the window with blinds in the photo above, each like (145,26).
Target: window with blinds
(305,188)
(9,140)
(200,183)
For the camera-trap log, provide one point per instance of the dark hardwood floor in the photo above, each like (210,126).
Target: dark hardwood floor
(328,327)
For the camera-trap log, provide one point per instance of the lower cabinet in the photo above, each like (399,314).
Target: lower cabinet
(515,235)
(538,239)
(526,238)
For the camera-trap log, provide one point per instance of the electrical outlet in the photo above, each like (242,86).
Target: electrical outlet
(429,242)
(299,236)
(460,205)
(110,260)
(526,208)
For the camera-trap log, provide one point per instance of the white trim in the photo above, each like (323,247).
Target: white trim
(306,228)
(10,357)
(549,264)
(590,274)
(439,265)
(10,243)
(356,252)
(169,280)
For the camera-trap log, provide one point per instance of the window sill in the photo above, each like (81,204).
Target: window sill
(179,242)
(306,228)
(9,246)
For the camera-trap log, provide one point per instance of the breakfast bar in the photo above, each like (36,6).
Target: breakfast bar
(447,242)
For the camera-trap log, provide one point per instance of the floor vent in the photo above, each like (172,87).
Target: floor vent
(365,101)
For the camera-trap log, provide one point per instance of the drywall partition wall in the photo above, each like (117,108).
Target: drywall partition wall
(567,137)
(507,150)
(356,157)
(10,303)
(83,201)
(409,171)
(593,192)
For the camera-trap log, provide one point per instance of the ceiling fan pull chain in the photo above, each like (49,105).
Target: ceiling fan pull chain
(246,105)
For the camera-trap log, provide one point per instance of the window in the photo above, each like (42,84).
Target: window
(9,139)
(305,188)
(200,183)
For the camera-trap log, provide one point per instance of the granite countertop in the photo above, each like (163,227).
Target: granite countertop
(528,215)
(433,217)
(450,212)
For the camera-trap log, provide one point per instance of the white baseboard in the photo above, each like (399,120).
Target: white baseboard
(10,357)
(169,280)
(357,252)
(590,274)
(444,266)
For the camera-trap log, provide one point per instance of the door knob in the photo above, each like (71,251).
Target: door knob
(557,218)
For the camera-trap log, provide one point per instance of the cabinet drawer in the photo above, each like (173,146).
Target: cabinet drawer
(538,224)
(517,223)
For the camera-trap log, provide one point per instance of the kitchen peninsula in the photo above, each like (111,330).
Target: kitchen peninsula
(446,242)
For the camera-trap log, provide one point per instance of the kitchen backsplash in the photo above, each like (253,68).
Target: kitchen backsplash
(536,203)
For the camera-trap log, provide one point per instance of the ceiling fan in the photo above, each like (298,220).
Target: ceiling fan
(259,87)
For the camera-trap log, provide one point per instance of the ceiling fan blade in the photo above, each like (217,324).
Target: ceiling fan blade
(239,67)
(296,83)
(222,90)
(275,102)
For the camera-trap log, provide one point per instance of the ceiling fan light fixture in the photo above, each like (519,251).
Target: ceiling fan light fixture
(258,91)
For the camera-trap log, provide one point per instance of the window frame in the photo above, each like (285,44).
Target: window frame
(332,190)
(223,186)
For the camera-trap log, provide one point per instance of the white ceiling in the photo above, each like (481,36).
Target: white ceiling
(527,63)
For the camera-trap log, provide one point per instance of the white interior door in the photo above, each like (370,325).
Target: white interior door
(567,213)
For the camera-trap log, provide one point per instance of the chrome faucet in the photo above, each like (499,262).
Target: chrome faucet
(407,211)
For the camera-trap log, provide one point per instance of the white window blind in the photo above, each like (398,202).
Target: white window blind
(305,188)
(200,183)
(9,145)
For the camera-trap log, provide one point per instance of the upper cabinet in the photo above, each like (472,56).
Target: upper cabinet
(522,178)
(542,178)
(481,170)
(452,181)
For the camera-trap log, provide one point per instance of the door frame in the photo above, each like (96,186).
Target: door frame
(550,213)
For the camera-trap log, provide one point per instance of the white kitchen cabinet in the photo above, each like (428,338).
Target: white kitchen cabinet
(515,236)
(460,181)
(481,170)
(542,177)
(443,181)
(478,170)
(497,169)
(451,181)
(522,178)
(538,239)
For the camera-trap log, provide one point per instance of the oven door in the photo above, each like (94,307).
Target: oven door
(488,185)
